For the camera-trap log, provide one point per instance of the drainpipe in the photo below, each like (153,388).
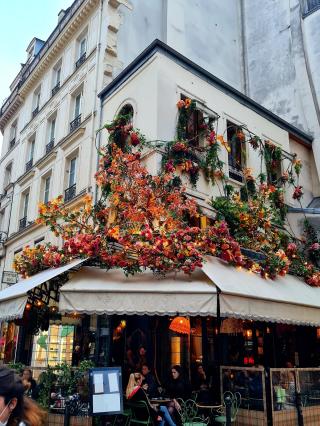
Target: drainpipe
(96,192)
(98,49)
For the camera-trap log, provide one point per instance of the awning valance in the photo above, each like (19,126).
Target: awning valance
(93,290)
(246,295)
(13,299)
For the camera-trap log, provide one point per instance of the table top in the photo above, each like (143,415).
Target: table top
(160,400)
(208,406)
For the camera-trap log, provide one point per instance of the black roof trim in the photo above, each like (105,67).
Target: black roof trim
(159,46)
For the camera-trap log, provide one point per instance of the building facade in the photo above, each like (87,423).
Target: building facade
(49,121)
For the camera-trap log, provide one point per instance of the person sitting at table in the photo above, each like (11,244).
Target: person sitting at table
(29,384)
(201,385)
(135,393)
(149,383)
(177,387)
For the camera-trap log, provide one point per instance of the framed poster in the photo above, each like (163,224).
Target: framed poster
(105,387)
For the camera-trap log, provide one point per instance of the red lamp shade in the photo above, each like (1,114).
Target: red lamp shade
(180,325)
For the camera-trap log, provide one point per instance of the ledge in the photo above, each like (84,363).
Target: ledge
(44,161)
(26,176)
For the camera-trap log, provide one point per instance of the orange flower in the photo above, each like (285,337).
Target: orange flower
(224,143)
(187,102)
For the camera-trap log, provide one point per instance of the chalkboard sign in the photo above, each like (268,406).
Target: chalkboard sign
(105,391)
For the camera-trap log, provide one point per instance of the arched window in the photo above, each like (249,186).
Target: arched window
(127,112)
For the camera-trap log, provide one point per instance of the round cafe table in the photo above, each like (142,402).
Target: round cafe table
(160,401)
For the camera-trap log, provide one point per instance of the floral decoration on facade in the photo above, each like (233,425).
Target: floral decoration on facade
(144,221)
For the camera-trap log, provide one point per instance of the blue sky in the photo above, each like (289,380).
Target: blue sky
(20,21)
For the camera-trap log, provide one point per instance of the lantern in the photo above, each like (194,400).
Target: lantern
(180,325)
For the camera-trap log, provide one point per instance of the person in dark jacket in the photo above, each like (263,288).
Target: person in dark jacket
(149,383)
(177,387)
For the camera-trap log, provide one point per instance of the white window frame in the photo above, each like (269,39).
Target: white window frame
(76,106)
(52,129)
(82,42)
(25,205)
(72,171)
(46,188)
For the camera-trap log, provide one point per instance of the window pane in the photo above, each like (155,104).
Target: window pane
(77,106)
(82,47)
(32,144)
(26,202)
(72,175)
(46,189)
(52,129)
(58,75)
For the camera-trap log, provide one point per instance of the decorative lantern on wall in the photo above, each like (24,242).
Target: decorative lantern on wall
(180,325)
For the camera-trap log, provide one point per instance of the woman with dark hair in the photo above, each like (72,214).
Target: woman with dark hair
(15,408)
(30,385)
(177,387)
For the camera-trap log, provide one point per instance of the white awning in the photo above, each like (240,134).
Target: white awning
(13,299)
(246,295)
(93,290)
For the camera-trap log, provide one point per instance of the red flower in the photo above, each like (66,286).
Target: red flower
(297,194)
(134,139)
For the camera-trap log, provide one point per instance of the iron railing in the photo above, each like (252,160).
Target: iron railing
(75,123)
(29,165)
(12,143)
(70,193)
(81,60)
(22,223)
(235,171)
(50,146)
(55,89)
(35,112)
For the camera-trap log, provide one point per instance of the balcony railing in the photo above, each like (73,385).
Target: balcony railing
(12,143)
(35,112)
(70,193)
(75,123)
(235,171)
(22,223)
(50,146)
(81,60)
(55,89)
(29,165)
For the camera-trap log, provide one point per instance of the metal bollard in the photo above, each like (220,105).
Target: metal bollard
(228,403)
(66,421)
(299,409)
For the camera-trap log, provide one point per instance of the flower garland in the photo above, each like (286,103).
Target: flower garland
(142,221)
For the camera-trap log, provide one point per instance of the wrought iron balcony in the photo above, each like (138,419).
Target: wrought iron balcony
(75,123)
(81,60)
(35,112)
(235,171)
(50,146)
(23,223)
(70,193)
(55,89)
(12,143)
(29,165)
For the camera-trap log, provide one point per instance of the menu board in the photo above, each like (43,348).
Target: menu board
(105,391)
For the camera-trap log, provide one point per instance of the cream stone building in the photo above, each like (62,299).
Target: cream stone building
(50,118)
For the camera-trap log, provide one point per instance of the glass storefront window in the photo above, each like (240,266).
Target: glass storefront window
(54,346)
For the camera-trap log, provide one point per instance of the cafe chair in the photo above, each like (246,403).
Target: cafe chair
(140,414)
(235,404)
(189,414)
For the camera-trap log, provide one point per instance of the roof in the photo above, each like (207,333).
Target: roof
(158,46)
